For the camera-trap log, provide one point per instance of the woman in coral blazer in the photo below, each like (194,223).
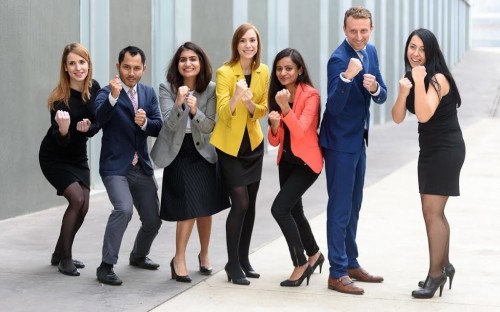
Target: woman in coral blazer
(294,109)
(241,89)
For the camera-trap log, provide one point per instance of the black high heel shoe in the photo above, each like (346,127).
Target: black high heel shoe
(296,283)
(67,267)
(204,270)
(250,272)
(319,263)
(430,287)
(178,278)
(449,270)
(235,277)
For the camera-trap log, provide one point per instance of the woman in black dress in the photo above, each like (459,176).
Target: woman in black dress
(429,91)
(190,189)
(63,151)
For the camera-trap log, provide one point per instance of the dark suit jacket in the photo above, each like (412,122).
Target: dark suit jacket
(348,104)
(121,136)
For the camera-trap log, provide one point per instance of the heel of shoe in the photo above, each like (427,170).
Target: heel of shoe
(319,262)
(431,285)
(233,276)
(449,270)
(173,274)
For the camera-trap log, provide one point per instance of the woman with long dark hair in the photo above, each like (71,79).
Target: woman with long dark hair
(429,91)
(190,191)
(294,112)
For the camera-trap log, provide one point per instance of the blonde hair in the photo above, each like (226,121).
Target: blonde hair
(62,91)
(238,33)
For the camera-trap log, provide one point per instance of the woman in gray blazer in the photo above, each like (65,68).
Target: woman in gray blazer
(191,190)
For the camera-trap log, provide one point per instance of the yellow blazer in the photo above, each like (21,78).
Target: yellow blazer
(229,128)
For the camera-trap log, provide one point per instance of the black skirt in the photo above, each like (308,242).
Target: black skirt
(244,169)
(191,186)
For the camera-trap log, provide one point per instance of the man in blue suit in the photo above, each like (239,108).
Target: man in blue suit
(128,113)
(354,79)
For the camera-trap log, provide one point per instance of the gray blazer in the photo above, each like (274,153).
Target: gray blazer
(169,141)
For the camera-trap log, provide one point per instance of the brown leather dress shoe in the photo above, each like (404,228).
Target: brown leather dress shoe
(344,285)
(361,275)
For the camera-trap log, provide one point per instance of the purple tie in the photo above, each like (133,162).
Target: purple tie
(133,99)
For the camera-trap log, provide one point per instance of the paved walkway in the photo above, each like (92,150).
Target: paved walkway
(391,236)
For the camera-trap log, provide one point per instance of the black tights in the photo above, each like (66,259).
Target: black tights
(239,226)
(78,199)
(438,232)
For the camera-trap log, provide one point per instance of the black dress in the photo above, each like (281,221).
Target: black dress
(63,160)
(442,147)
(191,186)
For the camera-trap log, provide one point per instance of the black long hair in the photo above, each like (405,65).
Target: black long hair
(434,62)
(275,85)
(204,76)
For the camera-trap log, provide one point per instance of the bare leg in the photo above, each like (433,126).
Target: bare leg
(183,232)
(204,225)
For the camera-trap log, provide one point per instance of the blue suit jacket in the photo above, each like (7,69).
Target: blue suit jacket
(348,104)
(121,137)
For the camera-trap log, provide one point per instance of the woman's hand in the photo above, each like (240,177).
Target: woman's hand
(83,126)
(275,120)
(63,120)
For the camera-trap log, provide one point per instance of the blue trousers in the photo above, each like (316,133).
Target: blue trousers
(345,176)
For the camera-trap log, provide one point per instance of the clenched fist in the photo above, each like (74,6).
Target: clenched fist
(63,120)
(353,68)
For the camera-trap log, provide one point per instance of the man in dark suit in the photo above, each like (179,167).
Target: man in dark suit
(128,113)
(354,79)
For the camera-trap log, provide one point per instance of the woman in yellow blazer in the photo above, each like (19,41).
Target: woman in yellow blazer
(294,109)
(241,90)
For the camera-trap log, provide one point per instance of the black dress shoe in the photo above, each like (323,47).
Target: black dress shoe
(296,283)
(430,287)
(250,272)
(319,262)
(67,267)
(178,278)
(56,259)
(144,262)
(237,276)
(449,270)
(204,270)
(106,275)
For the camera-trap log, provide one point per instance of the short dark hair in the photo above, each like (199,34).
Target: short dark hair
(204,76)
(133,51)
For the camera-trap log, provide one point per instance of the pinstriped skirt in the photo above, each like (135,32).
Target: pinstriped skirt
(191,186)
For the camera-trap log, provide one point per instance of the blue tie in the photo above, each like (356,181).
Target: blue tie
(365,60)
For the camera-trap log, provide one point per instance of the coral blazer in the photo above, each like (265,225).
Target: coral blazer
(230,127)
(302,121)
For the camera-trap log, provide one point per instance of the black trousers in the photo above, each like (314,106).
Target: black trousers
(288,211)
